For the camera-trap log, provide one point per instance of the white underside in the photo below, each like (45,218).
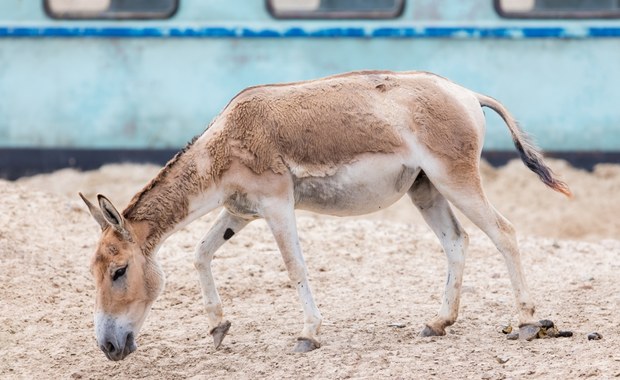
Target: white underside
(370,183)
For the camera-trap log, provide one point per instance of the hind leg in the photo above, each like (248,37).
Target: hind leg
(463,188)
(454,240)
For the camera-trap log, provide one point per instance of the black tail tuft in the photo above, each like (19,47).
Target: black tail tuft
(533,160)
(530,154)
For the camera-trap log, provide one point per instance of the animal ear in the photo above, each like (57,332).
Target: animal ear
(95,212)
(113,217)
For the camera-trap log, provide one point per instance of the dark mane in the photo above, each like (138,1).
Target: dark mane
(158,178)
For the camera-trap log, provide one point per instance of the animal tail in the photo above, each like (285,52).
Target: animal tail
(530,154)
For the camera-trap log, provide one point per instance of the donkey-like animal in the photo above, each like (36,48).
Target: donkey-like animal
(343,145)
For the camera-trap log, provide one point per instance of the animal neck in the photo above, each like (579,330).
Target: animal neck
(171,200)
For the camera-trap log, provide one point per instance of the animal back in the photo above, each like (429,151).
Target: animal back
(314,127)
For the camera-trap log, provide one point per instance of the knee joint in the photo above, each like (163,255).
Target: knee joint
(202,262)
(506,227)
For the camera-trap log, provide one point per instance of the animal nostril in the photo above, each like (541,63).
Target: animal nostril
(109,347)
(131,343)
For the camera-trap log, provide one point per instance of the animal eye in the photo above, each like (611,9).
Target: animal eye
(119,273)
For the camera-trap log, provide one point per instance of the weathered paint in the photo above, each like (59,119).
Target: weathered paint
(301,32)
(154,84)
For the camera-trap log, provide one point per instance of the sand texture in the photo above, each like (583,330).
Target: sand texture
(376,279)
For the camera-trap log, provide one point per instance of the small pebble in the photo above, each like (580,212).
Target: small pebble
(507,329)
(502,359)
(594,336)
(397,325)
(513,336)
(565,334)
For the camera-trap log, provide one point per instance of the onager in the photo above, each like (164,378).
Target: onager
(348,144)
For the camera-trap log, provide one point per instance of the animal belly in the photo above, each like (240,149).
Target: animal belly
(355,189)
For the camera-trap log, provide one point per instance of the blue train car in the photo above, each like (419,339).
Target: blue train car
(83,82)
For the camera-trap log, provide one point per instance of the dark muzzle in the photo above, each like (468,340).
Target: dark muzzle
(117,350)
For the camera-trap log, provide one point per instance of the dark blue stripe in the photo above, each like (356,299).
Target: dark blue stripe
(197,32)
(300,32)
(545,33)
(604,32)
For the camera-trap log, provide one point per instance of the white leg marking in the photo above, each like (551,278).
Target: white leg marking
(224,227)
(472,201)
(280,217)
(437,213)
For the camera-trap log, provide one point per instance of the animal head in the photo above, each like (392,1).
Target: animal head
(127,280)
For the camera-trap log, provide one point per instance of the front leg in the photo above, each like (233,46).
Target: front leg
(226,225)
(280,216)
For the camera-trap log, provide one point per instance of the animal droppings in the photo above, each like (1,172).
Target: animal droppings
(545,328)
(594,336)
(529,332)
(546,323)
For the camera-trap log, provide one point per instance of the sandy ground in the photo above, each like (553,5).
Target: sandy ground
(367,274)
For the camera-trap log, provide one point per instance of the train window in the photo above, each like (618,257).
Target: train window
(351,9)
(558,8)
(110,9)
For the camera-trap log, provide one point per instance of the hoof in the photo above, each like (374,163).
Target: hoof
(219,333)
(306,345)
(429,331)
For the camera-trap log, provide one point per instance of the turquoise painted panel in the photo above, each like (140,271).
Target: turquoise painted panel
(557,77)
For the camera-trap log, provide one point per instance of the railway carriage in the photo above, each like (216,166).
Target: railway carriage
(88,82)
